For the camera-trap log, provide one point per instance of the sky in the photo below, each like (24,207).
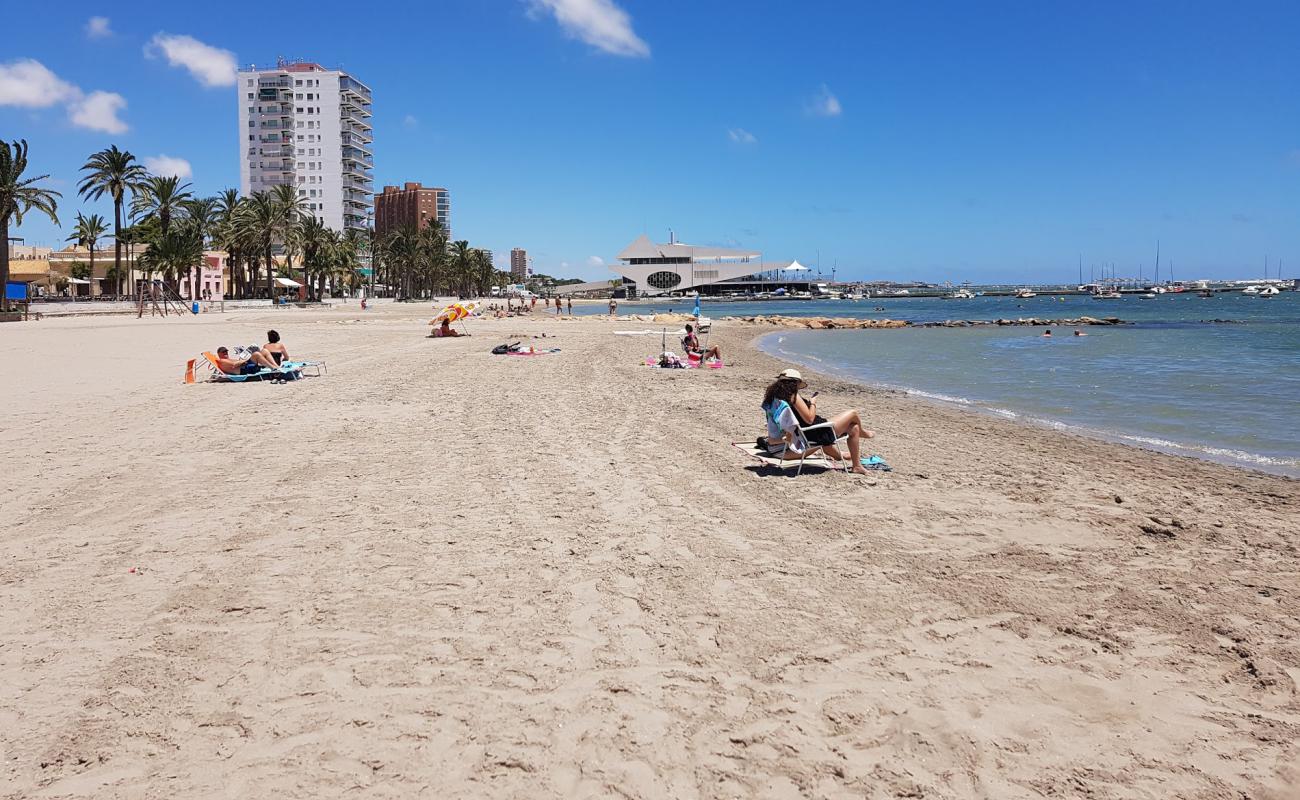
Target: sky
(907,140)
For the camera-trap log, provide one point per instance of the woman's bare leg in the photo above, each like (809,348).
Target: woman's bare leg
(849,422)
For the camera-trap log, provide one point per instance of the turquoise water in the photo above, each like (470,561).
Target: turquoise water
(1171,381)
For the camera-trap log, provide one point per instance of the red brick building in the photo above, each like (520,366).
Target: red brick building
(411,204)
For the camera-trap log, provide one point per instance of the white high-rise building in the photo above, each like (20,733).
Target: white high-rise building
(306,126)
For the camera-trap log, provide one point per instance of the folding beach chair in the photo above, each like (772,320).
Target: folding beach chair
(810,452)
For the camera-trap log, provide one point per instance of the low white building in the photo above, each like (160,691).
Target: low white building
(654,269)
(650,269)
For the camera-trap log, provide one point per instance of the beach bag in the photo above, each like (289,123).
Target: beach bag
(502,349)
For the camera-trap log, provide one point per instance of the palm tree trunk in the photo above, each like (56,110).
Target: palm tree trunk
(4,263)
(270,274)
(92,269)
(117,243)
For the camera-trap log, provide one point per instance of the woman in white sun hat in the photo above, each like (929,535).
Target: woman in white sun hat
(787,411)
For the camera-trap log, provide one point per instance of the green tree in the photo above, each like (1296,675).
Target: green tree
(161,197)
(317,244)
(462,266)
(290,208)
(18,196)
(225,235)
(87,233)
(175,251)
(115,173)
(257,223)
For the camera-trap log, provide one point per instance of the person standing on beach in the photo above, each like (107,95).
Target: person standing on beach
(613,306)
(569,303)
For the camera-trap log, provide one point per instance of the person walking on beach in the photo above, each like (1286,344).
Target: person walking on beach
(613,306)
(784,393)
(569,303)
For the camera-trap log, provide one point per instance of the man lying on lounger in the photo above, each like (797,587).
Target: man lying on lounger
(256,361)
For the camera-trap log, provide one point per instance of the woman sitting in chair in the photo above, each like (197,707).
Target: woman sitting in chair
(788,413)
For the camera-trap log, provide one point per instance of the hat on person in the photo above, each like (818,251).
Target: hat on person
(792,375)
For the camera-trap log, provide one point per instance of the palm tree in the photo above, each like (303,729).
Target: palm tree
(18,195)
(202,211)
(434,238)
(317,243)
(161,198)
(87,233)
(115,173)
(291,208)
(462,264)
(225,234)
(175,251)
(258,222)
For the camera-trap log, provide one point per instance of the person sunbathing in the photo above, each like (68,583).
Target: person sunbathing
(787,412)
(691,344)
(444,329)
(275,348)
(255,363)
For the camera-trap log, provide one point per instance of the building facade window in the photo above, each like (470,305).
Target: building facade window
(664,280)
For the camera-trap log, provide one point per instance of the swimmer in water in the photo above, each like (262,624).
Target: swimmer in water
(1079,333)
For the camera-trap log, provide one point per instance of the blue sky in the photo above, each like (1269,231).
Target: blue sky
(929,140)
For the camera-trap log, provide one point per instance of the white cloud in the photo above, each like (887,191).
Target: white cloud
(595,262)
(27,83)
(742,136)
(599,23)
(98,111)
(826,104)
(210,66)
(409,121)
(97,28)
(166,166)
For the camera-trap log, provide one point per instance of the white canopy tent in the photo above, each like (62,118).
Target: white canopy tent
(288,283)
(795,266)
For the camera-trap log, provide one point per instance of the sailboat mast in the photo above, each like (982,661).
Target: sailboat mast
(1157,262)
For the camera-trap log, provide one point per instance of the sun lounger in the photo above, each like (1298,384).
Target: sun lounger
(285,370)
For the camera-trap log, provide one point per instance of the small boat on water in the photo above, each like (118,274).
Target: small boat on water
(960,294)
(1024,294)
(1147,296)
(1251,290)
(1107,295)
(1269,291)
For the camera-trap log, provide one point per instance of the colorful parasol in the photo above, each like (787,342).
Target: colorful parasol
(455,312)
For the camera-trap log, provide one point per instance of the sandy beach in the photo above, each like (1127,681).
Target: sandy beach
(437,572)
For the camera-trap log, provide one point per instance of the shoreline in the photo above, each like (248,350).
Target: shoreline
(554,577)
(1146,444)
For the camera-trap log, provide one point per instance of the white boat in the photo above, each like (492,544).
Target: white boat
(960,294)
(1147,296)
(1109,295)
(1269,291)
(1251,290)
(1025,294)
(1159,290)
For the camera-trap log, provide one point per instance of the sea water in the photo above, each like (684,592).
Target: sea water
(1215,378)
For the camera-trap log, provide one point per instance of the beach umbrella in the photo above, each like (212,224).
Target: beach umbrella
(455,312)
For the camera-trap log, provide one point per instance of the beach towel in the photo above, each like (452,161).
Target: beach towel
(752,450)
(876,463)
